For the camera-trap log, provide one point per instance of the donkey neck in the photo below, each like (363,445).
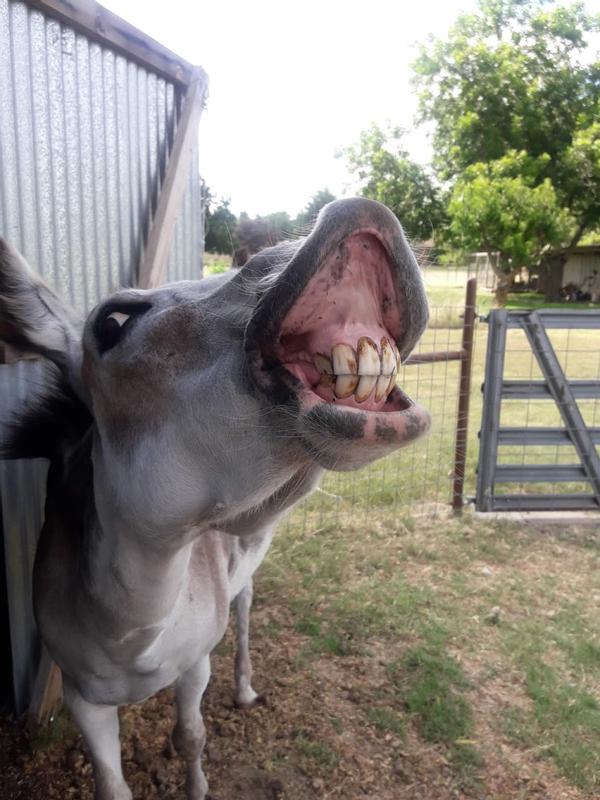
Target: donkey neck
(131,578)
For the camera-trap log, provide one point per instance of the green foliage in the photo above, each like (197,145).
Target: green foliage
(515,83)
(220,223)
(510,77)
(215,263)
(312,208)
(499,208)
(386,173)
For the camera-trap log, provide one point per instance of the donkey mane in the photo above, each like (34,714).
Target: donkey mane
(50,423)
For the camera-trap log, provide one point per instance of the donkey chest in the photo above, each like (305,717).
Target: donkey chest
(147,658)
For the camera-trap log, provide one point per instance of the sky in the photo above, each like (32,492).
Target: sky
(291,83)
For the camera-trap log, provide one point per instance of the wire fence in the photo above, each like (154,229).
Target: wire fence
(417,480)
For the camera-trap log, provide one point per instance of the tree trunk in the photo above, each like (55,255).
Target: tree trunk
(504,279)
(552,268)
(503,287)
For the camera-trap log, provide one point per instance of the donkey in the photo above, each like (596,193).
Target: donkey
(181,423)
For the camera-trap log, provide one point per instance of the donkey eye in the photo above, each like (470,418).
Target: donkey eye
(119,317)
(111,327)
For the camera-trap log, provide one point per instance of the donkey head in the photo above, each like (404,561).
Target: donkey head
(212,394)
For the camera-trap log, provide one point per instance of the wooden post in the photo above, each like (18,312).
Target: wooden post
(154,261)
(47,691)
(462,421)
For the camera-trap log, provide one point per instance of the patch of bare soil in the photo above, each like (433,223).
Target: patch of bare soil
(310,739)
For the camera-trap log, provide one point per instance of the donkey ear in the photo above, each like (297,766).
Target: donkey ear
(33,319)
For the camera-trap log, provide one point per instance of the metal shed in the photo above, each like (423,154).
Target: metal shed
(99,188)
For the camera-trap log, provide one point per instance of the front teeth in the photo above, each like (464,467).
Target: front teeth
(344,360)
(365,387)
(345,385)
(359,372)
(388,358)
(368,357)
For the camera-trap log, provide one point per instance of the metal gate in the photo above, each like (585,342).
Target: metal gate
(571,433)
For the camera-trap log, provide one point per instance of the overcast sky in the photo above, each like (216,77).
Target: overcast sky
(291,83)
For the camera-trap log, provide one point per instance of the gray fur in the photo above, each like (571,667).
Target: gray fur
(196,453)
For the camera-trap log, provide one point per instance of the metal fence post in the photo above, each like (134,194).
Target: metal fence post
(462,421)
(490,417)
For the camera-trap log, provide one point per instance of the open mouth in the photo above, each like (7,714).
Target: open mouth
(338,341)
(330,332)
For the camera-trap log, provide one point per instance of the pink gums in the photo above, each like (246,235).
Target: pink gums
(351,296)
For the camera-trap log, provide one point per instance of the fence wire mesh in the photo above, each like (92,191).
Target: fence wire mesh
(417,479)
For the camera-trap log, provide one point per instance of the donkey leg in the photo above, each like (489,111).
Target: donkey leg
(245,696)
(189,734)
(100,728)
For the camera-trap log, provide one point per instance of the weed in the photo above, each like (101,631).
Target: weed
(320,755)
(431,687)
(386,719)
(60,729)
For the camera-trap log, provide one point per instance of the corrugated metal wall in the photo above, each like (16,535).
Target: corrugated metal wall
(85,136)
(580,267)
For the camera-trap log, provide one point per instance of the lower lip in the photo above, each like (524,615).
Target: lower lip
(402,421)
(309,376)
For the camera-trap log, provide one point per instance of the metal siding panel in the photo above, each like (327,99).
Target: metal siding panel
(84,142)
(22,489)
(57,166)
(110,177)
(42,150)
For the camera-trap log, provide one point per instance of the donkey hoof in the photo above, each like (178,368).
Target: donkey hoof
(250,700)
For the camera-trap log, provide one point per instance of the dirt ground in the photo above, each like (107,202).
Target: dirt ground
(315,735)
(308,739)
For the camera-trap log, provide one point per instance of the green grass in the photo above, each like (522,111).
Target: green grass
(534,300)
(359,564)
(315,754)
(563,725)
(386,720)
(214,263)
(413,591)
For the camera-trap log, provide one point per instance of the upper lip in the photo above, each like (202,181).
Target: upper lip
(366,217)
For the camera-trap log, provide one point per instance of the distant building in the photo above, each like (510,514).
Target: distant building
(581,270)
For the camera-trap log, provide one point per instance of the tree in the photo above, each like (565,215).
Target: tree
(516,76)
(386,173)
(252,235)
(312,208)
(220,224)
(500,208)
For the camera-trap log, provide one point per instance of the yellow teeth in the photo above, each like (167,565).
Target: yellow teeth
(345,385)
(368,357)
(344,360)
(392,382)
(388,358)
(365,387)
(381,390)
(323,364)
(360,372)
